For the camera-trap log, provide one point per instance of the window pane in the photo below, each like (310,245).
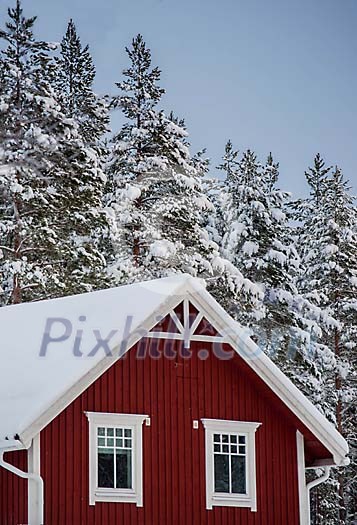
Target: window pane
(217,438)
(221,473)
(124,470)
(119,432)
(241,440)
(238,475)
(101,431)
(233,439)
(110,431)
(105,468)
(127,432)
(225,438)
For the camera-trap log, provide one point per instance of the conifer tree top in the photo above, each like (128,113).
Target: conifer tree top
(140,86)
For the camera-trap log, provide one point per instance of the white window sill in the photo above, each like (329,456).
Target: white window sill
(231,500)
(116,496)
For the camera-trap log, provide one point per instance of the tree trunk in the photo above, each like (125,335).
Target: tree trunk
(16,290)
(339,420)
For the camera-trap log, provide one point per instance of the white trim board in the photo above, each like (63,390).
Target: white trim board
(300,454)
(236,336)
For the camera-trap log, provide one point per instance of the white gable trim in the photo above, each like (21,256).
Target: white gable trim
(186,332)
(233,334)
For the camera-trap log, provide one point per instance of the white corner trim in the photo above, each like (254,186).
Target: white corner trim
(135,423)
(247,429)
(35,488)
(303,494)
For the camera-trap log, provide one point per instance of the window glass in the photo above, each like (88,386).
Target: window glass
(123,466)
(105,468)
(238,475)
(221,473)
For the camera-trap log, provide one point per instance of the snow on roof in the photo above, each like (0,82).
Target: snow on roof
(30,382)
(39,377)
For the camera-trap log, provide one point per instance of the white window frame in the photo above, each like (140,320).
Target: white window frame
(130,421)
(222,499)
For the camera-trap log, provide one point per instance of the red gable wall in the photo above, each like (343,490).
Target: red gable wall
(173,392)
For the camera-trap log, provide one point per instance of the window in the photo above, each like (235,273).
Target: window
(115,457)
(230,463)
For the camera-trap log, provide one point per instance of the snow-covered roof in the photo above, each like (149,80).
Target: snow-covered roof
(34,388)
(29,382)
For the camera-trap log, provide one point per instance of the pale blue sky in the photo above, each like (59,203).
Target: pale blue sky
(272,75)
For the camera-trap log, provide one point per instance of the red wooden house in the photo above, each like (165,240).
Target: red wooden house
(147,404)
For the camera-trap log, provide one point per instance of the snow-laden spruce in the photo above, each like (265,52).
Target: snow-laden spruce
(328,245)
(252,228)
(155,192)
(50,181)
(73,81)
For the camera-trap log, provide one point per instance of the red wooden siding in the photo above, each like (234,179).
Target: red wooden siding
(13,491)
(173,392)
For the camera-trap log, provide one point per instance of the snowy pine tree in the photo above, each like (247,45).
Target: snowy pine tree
(328,246)
(255,236)
(73,81)
(47,204)
(155,186)
(230,287)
